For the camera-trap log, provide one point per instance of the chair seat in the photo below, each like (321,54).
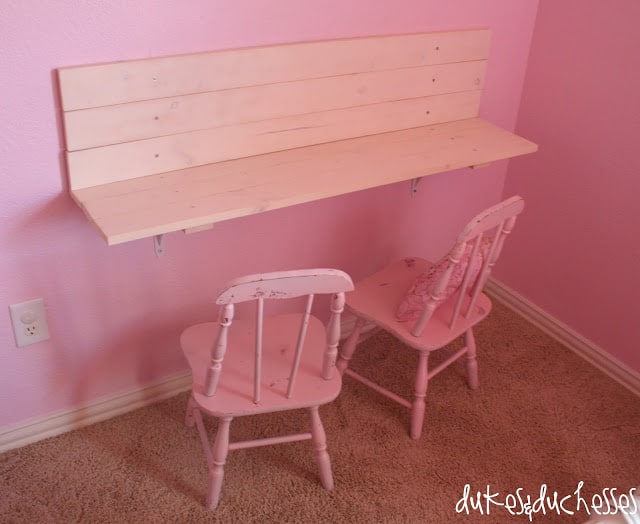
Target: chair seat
(372,298)
(233,394)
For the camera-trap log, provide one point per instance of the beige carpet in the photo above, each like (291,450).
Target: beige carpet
(541,416)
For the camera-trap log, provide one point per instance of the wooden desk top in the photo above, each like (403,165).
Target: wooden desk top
(179,143)
(189,198)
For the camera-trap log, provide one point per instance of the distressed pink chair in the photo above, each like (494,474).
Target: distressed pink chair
(270,363)
(427,306)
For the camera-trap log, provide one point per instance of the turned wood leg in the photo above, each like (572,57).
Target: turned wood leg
(471,362)
(319,439)
(418,406)
(219,457)
(348,348)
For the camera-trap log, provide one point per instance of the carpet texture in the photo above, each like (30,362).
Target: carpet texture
(541,417)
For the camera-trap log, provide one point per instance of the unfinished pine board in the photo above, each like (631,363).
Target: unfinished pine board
(185,199)
(101,126)
(179,143)
(120,82)
(171,152)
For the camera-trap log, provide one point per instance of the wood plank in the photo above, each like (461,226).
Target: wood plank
(128,81)
(168,153)
(198,229)
(158,204)
(152,118)
(481,166)
(180,143)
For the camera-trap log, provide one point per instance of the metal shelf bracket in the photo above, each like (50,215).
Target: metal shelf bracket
(414,185)
(158,245)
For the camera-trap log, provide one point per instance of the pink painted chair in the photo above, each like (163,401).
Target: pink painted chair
(265,364)
(427,306)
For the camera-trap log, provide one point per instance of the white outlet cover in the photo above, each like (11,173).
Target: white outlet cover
(29,322)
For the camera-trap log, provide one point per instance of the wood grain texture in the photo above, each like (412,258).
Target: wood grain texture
(183,199)
(121,82)
(101,126)
(182,142)
(183,150)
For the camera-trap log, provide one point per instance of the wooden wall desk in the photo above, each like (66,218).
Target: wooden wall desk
(179,143)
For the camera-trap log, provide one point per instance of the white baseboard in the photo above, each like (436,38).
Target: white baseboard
(95,411)
(583,347)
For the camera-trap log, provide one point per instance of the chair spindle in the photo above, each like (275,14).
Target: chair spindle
(299,345)
(333,336)
(218,351)
(257,372)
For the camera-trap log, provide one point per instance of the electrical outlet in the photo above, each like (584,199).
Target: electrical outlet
(29,322)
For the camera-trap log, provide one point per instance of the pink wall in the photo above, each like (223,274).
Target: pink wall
(115,312)
(576,251)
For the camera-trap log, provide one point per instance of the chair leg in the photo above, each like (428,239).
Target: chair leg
(471,362)
(418,406)
(189,421)
(218,459)
(348,348)
(319,439)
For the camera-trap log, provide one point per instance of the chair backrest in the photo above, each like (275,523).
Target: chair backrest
(477,248)
(275,286)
